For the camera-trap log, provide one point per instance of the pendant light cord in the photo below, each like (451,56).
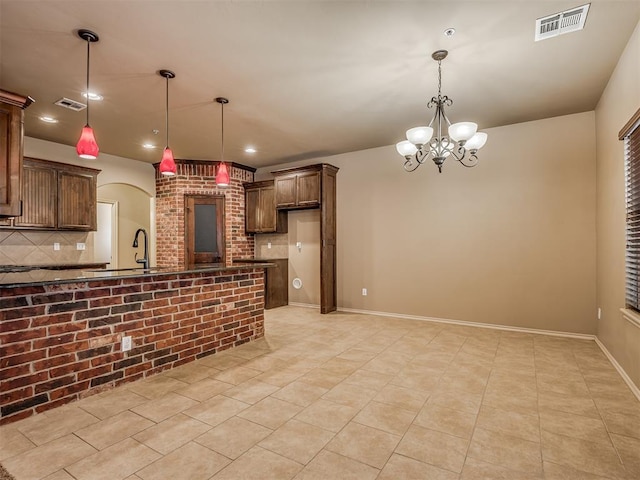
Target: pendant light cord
(222,135)
(88,63)
(167,112)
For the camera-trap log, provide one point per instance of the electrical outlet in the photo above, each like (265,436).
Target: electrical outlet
(299,246)
(364,292)
(56,246)
(80,246)
(126,344)
(268,244)
(599,313)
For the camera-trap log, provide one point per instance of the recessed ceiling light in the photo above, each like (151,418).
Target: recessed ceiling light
(93,96)
(250,150)
(148,146)
(450,32)
(46,119)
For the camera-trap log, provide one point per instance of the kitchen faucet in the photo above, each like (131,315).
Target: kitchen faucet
(145,259)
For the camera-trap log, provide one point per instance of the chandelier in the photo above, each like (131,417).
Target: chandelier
(462,142)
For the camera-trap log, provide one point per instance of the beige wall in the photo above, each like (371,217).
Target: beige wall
(304,262)
(133,213)
(618,103)
(510,242)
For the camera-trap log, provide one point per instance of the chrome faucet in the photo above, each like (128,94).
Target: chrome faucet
(144,260)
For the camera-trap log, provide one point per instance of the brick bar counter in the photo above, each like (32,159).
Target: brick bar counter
(61,331)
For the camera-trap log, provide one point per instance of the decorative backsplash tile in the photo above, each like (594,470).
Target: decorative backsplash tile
(279,245)
(21,247)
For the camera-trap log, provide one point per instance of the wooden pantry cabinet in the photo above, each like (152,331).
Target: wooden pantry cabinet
(12,108)
(57,196)
(261,215)
(314,186)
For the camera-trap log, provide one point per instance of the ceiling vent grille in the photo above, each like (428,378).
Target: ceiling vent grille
(70,104)
(560,23)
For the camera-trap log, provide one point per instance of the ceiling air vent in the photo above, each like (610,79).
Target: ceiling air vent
(564,22)
(70,104)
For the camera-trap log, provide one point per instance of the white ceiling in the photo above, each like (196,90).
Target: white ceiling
(304,78)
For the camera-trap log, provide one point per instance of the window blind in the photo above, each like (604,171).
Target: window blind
(631,136)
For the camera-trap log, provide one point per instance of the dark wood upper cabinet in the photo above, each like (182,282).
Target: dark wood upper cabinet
(57,196)
(297,188)
(261,215)
(77,200)
(12,108)
(40,196)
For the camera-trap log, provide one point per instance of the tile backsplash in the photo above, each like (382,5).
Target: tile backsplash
(279,245)
(25,247)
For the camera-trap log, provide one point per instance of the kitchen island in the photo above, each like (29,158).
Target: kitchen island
(61,331)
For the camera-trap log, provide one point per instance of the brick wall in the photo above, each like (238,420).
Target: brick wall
(59,343)
(198,178)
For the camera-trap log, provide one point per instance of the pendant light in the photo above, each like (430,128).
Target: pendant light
(87,147)
(167,164)
(222,175)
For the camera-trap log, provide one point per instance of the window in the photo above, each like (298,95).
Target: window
(631,136)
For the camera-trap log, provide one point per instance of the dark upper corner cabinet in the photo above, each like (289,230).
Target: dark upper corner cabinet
(56,196)
(298,188)
(261,215)
(12,108)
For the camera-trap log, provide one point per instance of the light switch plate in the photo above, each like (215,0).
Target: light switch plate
(80,246)
(56,246)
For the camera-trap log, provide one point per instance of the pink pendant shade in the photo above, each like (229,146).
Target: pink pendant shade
(87,147)
(222,175)
(167,164)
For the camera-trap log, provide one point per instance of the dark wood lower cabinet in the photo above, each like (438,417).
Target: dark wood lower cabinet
(276,287)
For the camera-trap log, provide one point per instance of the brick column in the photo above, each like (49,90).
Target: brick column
(197,177)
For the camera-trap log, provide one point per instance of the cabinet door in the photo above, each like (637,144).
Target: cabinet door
(251,210)
(308,189)
(10,159)
(39,192)
(285,191)
(267,210)
(76,201)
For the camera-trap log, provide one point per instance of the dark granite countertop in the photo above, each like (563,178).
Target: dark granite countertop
(42,276)
(52,266)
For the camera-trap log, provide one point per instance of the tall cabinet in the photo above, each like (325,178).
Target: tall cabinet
(12,108)
(314,186)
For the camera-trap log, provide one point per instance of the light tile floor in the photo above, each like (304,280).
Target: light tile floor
(346,396)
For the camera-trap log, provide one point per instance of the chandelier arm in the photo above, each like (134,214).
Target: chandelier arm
(408,164)
(470,161)
(422,155)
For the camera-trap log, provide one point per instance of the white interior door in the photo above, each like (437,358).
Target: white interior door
(106,243)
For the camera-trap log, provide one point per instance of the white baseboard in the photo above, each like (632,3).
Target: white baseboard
(632,386)
(580,336)
(304,305)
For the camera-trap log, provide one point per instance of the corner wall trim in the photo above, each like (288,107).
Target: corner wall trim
(632,386)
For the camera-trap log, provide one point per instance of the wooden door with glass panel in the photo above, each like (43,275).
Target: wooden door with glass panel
(204,229)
